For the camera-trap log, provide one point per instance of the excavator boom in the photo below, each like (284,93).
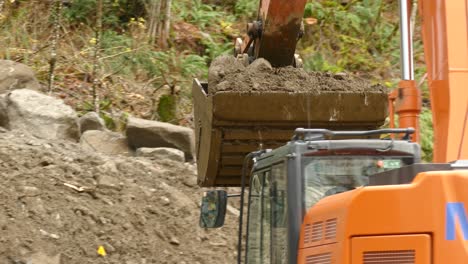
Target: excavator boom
(281,29)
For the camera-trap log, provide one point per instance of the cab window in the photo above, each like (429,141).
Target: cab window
(328,175)
(267,226)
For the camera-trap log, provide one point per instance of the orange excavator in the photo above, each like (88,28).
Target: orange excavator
(337,191)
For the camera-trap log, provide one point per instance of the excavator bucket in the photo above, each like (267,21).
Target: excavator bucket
(231,124)
(258,106)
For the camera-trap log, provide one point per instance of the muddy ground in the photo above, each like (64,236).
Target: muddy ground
(58,205)
(229,74)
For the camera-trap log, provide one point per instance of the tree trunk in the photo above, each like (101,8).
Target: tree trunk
(99,14)
(56,13)
(154,11)
(166,24)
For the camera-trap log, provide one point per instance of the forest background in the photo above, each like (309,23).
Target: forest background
(139,57)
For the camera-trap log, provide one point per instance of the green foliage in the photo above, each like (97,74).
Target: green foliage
(167,108)
(351,37)
(215,48)
(122,55)
(116,12)
(217,21)
(427,135)
(174,67)
(199,14)
(246,8)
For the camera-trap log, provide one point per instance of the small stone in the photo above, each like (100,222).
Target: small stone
(91,121)
(165,201)
(109,248)
(260,65)
(108,182)
(14,75)
(161,154)
(190,180)
(30,191)
(174,241)
(105,142)
(45,233)
(218,244)
(233,210)
(152,134)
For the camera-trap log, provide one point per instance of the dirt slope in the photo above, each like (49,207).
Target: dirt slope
(140,211)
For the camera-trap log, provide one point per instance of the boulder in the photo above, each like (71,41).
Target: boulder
(41,115)
(14,75)
(105,142)
(153,134)
(91,121)
(161,154)
(3,112)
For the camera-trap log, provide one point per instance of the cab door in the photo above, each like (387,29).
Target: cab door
(259,225)
(267,219)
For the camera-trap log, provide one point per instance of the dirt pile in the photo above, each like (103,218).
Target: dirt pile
(229,74)
(59,204)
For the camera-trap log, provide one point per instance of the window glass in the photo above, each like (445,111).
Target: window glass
(330,175)
(267,238)
(279,215)
(266,220)
(255,216)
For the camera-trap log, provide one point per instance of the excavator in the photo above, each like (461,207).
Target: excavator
(340,190)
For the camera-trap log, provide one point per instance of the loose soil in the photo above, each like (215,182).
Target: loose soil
(59,204)
(230,74)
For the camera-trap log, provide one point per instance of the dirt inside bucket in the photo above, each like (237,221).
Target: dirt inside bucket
(230,74)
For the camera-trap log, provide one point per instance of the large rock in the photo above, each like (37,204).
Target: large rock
(161,154)
(152,134)
(41,115)
(91,121)
(15,75)
(4,122)
(105,142)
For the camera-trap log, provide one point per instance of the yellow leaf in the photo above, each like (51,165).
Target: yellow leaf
(101,251)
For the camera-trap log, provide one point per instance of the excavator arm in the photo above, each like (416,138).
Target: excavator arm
(445,36)
(274,35)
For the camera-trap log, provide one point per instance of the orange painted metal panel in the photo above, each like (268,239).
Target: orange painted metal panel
(417,208)
(445,34)
(401,245)
(322,254)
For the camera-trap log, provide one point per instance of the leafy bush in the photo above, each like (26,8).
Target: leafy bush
(351,37)
(246,8)
(199,14)
(116,12)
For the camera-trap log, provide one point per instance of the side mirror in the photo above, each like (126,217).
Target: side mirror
(213,209)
